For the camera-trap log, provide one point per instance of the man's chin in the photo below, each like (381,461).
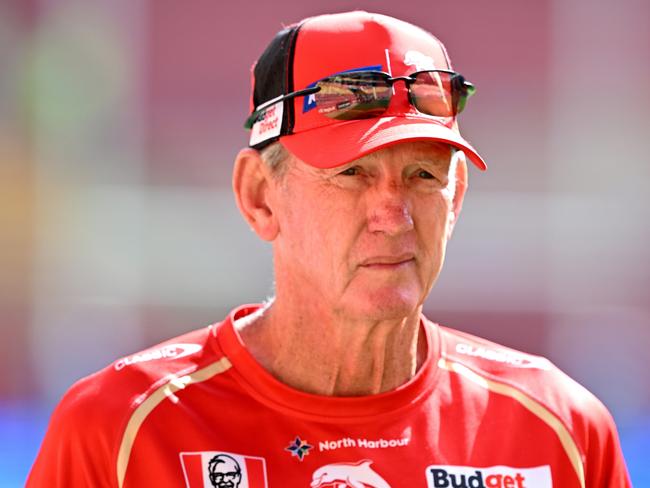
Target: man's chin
(386,305)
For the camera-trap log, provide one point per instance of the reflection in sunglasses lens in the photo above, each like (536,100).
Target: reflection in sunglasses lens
(346,97)
(363,95)
(431,93)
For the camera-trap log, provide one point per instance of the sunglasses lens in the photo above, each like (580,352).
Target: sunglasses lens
(353,96)
(438,93)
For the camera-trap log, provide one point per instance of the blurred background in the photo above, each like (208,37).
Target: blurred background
(119,122)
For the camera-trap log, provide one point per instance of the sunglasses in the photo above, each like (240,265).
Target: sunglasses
(366,94)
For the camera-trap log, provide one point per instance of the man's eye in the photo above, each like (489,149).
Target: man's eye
(425,175)
(351,171)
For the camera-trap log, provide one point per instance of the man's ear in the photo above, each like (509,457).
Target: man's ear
(459,192)
(252,183)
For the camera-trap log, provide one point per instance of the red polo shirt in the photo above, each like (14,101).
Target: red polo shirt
(198,411)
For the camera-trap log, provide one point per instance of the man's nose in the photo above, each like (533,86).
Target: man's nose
(389,208)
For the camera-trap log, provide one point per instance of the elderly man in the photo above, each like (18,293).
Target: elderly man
(356,175)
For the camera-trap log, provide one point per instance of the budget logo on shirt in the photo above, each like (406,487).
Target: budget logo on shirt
(215,469)
(489,477)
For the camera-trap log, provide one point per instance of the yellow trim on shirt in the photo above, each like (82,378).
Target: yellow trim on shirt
(152,401)
(536,408)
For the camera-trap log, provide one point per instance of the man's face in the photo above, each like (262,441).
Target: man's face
(367,239)
(225,474)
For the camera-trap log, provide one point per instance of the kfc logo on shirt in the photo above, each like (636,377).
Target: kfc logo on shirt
(489,477)
(348,475)
(223,470)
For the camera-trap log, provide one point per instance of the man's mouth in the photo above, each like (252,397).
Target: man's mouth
(388,261)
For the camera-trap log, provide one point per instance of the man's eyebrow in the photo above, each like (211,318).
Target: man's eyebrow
(442,163)
(363,159)
(425,158)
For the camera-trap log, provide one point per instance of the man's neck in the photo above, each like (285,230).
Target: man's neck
(326,355)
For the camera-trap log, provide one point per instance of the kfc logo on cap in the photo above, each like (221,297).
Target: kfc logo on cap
(490,477)
(223,470)
(348,475)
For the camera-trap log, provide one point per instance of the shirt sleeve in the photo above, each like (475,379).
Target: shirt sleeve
(78,448)
(605,464)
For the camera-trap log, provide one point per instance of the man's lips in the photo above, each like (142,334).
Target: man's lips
(387,262)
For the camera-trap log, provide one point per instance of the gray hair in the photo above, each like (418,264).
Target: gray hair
(275,156)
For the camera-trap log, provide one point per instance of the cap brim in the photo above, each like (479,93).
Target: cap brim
(338,144)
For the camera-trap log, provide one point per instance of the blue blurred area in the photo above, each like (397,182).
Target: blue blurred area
(635,439)
(22,427)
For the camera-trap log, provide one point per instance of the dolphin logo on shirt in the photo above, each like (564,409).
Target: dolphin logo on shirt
(348,475)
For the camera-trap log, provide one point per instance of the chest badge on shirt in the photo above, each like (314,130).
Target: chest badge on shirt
(439,476)
(299,448)
(215,469)
(348,475)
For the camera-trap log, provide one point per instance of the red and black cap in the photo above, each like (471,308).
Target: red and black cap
(321,46)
